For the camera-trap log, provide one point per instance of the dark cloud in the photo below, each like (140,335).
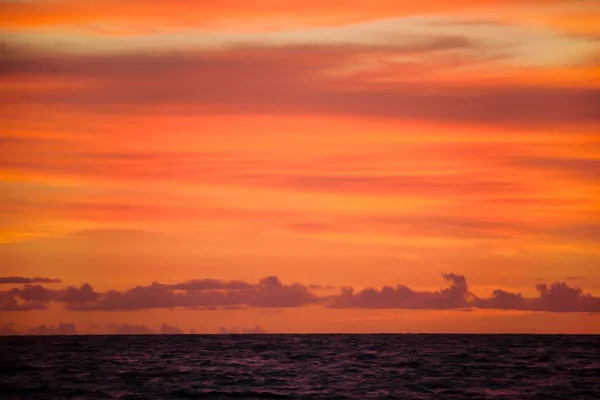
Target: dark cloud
(320,287)
(271,293)
(24,280)
(558,297)
(82,295)
(212,284)
(37,293)
(454,297)
(36,297)
(9,301)
(284,61)
(61,329)
(292,79)
(503,300)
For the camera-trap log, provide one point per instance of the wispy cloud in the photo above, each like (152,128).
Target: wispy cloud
(337,80)
(25,280)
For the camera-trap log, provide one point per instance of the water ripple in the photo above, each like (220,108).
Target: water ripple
(301,367)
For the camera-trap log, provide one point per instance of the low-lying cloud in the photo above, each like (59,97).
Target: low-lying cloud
(271,293)
(169,330)
(68,328)
(237,330)
(61,329)
(244,331)
(126,329)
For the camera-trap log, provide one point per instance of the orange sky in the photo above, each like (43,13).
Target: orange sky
(437,158)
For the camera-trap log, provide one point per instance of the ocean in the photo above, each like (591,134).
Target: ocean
(411,366)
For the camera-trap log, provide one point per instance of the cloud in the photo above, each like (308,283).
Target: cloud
(9,301)
(37,297)
(36,293)
(503,300)
(586,168)
(558,297)
(237,330)
(575,278)
(449,226)
(8,330)
(270,293)
(169,330)
(454,297)
(61,329)
(234,308)
(308,79)
(110,17)
(320,287)
(24,280)
(212,284)
(126,329)
(82,295)
(70,329)
(390,184)
(187,168)
(589,231)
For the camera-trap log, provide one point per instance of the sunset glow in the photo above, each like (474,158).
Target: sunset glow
(300,166)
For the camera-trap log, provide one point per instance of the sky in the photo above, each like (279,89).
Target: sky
(299,166)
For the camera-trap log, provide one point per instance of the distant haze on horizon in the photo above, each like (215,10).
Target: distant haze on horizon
(299,166)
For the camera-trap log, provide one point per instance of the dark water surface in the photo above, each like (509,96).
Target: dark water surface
(301,367)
